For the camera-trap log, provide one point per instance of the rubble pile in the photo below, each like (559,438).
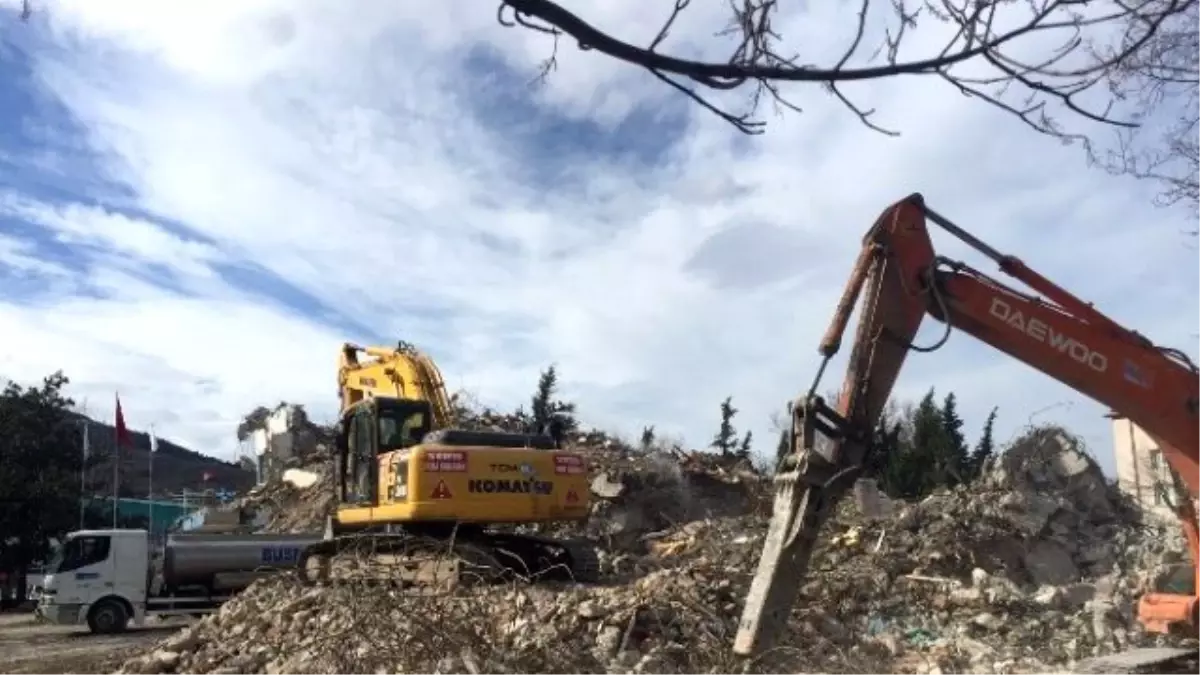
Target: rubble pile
(638,497)
(299,501)
(1035,567)
(1032,568)
(634,493)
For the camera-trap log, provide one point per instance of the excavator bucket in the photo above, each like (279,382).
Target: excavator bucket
(830,446)
(808,486)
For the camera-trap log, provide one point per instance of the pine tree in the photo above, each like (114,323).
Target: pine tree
(884,450)
(744,448)
(929,454)
(957,457)
(916,449)
(784,448)
(985,448)
(892,460)
(544,406)
(647,438)
(895,477)
(726,437)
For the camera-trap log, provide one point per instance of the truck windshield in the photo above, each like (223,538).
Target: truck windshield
(56,557)
(79,552)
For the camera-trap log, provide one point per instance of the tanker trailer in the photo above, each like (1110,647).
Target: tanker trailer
(109,578)
(216,564)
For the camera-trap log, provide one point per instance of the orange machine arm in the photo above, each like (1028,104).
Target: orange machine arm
(902,280)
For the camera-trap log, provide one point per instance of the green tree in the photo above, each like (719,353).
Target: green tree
(747,440)
(957,455)
(784,447)
(542,404)
(40,462)
(936,458)
(726,438)
(545,406)
(931,451)
(647,438)
(917,449)
(891,460)
(985,448)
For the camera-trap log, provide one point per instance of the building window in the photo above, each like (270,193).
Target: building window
(1156,460)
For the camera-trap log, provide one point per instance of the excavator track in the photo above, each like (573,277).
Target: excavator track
(468,558)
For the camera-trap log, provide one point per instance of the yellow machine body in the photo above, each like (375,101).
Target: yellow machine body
(473,484)
(406,479)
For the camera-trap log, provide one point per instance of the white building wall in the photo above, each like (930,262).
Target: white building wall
(259,441)
(282,440)
(1142,472)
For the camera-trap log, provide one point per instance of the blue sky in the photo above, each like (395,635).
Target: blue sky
(201,201)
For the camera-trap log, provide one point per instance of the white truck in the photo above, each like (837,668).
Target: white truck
(109,578)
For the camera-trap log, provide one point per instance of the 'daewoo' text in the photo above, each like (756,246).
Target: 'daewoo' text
(1040,331)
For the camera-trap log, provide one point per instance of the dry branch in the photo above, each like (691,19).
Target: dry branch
(1159,79)
(1026,89)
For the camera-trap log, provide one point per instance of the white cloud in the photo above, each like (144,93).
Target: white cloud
(356,151)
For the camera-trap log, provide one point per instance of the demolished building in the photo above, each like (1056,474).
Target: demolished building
(1033,568)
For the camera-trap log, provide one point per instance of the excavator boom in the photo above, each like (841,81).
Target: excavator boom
(899,279)
(403,372)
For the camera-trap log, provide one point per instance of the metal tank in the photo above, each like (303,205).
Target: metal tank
(222,563)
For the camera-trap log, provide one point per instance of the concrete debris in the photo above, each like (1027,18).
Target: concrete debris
(1034,568)
(301,479)
(299,502)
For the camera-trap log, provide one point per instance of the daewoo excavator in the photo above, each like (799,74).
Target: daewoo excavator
(901,279)
(425,499)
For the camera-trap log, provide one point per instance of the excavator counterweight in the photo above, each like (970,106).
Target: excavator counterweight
(897,280)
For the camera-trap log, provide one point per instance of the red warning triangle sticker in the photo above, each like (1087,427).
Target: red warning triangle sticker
(441,491)
(572,497)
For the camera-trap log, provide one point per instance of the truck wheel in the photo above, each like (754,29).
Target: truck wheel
(107,616)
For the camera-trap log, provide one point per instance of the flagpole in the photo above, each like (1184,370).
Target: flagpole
(116,463)
(150,489)
(83,470)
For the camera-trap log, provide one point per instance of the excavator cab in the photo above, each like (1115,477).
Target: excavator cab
(369,429)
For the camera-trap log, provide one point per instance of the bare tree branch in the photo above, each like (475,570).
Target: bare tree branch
(1119,84)
(1157,72)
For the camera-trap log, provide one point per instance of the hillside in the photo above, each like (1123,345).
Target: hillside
(175,467)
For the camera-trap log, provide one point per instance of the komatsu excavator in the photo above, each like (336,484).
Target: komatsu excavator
(428,499)
(900,279)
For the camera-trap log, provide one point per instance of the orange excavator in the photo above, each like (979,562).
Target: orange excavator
(900,279)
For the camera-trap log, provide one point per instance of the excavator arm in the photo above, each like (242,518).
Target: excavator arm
(899,279)
(400,372)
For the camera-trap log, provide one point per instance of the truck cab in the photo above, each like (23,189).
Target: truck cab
(97,576)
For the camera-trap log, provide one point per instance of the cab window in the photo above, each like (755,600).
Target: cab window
(83,551)
(362,436)
(401,431)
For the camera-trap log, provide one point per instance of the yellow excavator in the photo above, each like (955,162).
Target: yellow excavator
(428,501)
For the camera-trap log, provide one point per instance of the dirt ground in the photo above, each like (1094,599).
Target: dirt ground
(27,646)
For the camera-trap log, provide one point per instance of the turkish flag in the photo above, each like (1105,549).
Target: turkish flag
(123,438)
